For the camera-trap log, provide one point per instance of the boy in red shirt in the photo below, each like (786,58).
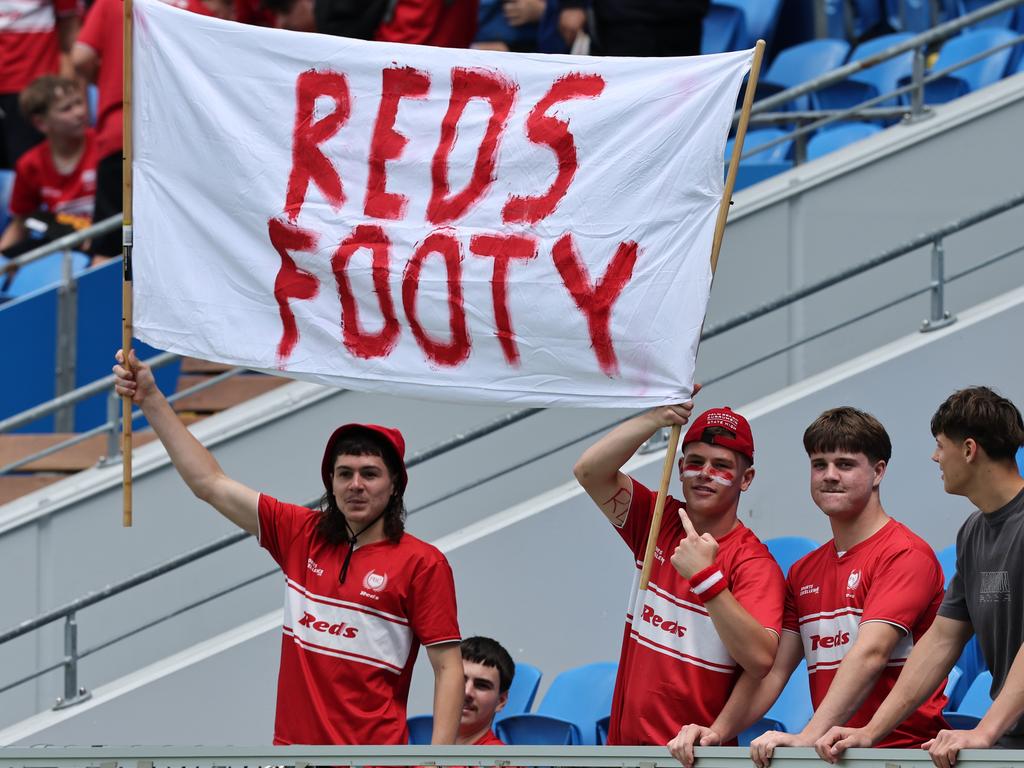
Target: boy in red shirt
(489,670)
(56,178)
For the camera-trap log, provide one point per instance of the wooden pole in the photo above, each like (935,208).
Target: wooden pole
(126,284)
(716,246)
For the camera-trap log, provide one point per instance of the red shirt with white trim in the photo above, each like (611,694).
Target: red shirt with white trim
(893,577)
(674,669)
(29,46)
(102,31)
(39,186)
(348,650)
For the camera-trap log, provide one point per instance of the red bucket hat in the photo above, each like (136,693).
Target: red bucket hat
(728,419)
(392,439)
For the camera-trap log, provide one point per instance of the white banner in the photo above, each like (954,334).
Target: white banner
(428,222)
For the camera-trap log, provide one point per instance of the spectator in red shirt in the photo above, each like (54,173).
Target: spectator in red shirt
(97,57)
(35,38)
(57,177)
(489,670)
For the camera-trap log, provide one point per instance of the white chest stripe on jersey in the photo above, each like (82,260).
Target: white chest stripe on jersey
(26,16)
(677,628)
(345,630)
(828,636)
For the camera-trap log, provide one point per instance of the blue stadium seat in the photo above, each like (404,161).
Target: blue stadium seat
(723,25)
(35,355)
(838,136)
(762,725)
(972,665)
(43,273)
(421,729)
(913,15)
(947,559)
(951,681)
(576,700)
(6,185)
(764,164)
(851,20)
(522,691)
(793,707)
(92,97)
(961,722)
(800,63)
(760,17)
(978,698)
(788,549)
(1002,20)
(973,76)
(1020,460)
(869,83)
(602,730)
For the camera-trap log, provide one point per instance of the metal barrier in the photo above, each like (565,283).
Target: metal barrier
(808,122)
(500,757)
(939,316)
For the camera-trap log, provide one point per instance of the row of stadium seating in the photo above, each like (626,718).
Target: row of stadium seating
(576,708)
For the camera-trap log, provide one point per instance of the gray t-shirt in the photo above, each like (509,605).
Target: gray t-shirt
(988,592)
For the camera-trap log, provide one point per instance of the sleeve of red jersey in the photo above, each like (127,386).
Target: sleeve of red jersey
(95,22)
(278,525)
(25,197)
(904,587)
(758,586)
(638,519)
(790,618)
(432,611)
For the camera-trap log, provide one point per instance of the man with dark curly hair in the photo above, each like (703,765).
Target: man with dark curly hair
(361,595)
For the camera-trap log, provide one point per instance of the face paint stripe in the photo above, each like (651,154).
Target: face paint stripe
(719,476)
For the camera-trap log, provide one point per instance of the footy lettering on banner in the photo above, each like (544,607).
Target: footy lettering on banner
(454,224)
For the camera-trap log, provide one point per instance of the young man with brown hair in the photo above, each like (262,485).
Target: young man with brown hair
(488,670)
(361,595)
(713,609)
(977,433)
(854,607)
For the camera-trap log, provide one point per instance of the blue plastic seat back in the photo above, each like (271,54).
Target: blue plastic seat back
(960,722)
(836,137)
(788,549)
(972,664)
(582,696)
(1003,20)
(874,81)
(421,729)
(978,698)
(755,138)
(800,63)
(972,76)
(539,729)
(913,15)
(1020,459)
(522,691)
(758,728)
(6,185)
(602,730)
(44,273)
(793,708)
(951,681)
(947,559)
(34,351)
(863,16)
(722,27)
(760,18)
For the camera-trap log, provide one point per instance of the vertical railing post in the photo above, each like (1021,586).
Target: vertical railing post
(73,693)
(67,310)
(940,317)
(917,80)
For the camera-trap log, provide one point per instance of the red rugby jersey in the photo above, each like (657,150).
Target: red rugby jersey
(348,650)
(673,668)
(893,577)
(38,185)
(29,46)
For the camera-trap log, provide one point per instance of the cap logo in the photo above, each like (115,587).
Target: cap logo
(724,419)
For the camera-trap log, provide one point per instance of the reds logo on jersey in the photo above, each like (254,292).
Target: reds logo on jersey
(375,581)
(854,579)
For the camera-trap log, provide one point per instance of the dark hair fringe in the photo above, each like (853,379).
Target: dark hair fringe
(987,417)
(490,653)
(848,429)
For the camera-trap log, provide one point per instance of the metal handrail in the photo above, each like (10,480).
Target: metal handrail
(67,241)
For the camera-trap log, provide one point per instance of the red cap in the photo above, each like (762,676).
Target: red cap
(728,419)
(392,437)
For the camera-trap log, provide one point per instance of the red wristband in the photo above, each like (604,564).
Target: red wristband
(708,583)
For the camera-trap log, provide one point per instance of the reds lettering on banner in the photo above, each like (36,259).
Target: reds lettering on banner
(430,222)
